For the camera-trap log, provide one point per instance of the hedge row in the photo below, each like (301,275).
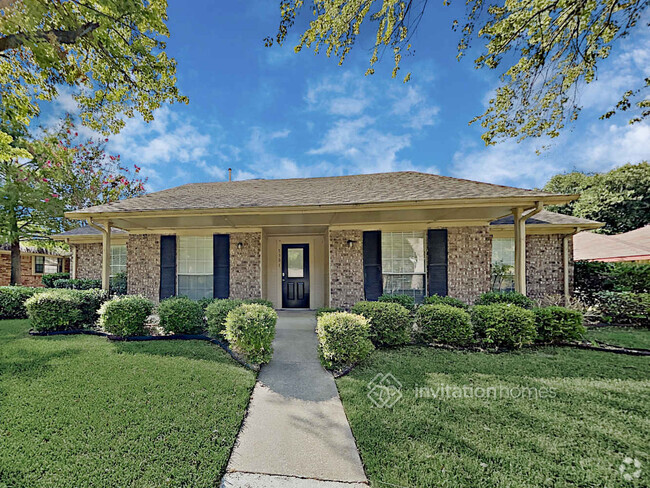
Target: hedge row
(248,325)
(593,277)
(344,337)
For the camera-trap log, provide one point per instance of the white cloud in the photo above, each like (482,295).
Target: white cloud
(215,172)
(367,149)
(166,139)
(625,70)
(608,146)
(601,148)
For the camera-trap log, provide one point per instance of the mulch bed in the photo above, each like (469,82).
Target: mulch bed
(200,337)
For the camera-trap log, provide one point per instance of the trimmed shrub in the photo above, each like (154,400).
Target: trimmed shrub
(405,301)
(343,339)
(216,313)
(78,284)
(444,323)
(49,279)
(250,329)
(12,301)
(324,310)
(390,323)
(558,324)
(511,297)
(90,301)
(204,302)
(125,316)
(118,284)
(65,309)
(180,315)
(503,324)
(438,300)
(260,301)
(55,310)
(624,308)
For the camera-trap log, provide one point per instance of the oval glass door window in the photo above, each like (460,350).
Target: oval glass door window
(295,262)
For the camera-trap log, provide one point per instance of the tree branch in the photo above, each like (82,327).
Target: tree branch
(14,41)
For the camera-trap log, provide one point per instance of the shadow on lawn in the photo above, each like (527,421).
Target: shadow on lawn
(188,349)
(32,364)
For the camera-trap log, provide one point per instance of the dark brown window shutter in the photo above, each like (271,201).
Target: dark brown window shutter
(437,262)
(221,264)
(167,266)
(372,278)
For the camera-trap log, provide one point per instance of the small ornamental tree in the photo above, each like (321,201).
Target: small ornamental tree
(59,172)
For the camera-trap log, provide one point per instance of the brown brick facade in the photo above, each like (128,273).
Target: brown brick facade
(246,265)
(89,261)
(143,265)
(346,268)
(544,265)
(469,262)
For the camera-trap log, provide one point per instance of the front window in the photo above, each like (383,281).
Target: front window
(47,265)
(503,264)
(403,264)
(118,259)
(195,267)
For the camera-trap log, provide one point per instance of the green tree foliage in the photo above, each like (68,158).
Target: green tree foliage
(620,198)
(61,173)
(545,50)
(111,54)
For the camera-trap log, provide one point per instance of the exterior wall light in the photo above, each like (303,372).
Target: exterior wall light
(239,245)
(351,243)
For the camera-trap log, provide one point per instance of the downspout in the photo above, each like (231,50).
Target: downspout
(106,252)
(520,244)
(565,264)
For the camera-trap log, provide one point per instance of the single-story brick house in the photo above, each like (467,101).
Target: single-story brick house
(311,242)
(34,263)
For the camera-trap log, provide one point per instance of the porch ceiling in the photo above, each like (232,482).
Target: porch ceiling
(312,220)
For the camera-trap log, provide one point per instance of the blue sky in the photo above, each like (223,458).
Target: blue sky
(271,113)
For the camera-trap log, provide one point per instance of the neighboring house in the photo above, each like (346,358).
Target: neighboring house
(34,263)
(631,246)
(306,243)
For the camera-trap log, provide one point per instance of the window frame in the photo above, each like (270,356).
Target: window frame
(511,263)
(120,246)
(179,251)
(425,258)
(59,264)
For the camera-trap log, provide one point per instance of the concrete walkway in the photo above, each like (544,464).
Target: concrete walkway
(296,433)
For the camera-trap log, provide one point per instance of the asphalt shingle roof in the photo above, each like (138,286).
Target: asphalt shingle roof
(588,245)
(549,218)
(88,231)
(402,186)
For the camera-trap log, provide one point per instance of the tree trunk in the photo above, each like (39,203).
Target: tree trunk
(15,263)
(14,238)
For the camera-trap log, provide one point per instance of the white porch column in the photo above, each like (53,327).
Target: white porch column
(106,256)
(105,229)
(520,250)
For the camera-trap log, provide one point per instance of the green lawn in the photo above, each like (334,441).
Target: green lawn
(620,336)
(597,417)
(80,411)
